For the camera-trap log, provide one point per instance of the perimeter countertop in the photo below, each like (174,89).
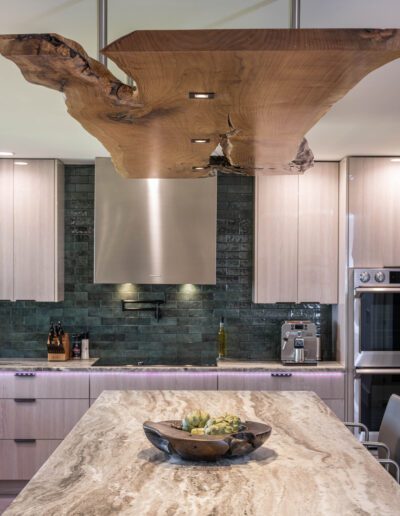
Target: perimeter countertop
(310,465)
(227,365)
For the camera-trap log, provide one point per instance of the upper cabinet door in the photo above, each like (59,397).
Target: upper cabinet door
(6,229)
(275,255)
(318,234)
(374,212)
(38,231)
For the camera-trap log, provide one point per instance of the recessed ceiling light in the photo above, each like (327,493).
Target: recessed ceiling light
(201,95)
(199,168)
(20,163)
(6,153)
(395,159)
(200,140)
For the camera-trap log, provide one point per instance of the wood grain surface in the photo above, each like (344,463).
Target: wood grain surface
(270,86)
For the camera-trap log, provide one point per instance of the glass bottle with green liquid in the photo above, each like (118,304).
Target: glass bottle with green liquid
(221,340)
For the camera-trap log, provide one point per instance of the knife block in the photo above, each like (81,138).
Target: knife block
(57,352)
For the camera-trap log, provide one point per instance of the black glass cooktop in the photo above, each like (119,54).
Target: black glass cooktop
(145,362)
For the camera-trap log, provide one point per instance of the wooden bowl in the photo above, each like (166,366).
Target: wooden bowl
(166,437)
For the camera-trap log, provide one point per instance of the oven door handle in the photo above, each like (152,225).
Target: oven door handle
(360,372)
(376,290)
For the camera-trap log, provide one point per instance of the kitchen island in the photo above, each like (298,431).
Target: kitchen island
(310,465)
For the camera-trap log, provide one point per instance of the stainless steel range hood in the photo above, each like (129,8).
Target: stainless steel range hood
(154,230)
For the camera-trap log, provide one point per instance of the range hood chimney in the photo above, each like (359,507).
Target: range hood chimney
(154,231)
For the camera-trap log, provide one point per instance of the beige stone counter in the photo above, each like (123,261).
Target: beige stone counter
(311,465)
(20,364)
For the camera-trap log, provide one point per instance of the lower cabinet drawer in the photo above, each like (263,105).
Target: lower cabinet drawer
(152,380)
(326,385)
(40,418)
(21,460)
(337,406)
(44,384)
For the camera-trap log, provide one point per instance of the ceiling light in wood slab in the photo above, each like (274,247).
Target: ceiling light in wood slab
(199,95)
(273,85)
(200,140)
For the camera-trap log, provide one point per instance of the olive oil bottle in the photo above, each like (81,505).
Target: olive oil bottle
(221,339)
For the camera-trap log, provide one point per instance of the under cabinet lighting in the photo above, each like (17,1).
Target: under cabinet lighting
(6,153)
(200,140)
(395,160)
(201,95)
(20,163)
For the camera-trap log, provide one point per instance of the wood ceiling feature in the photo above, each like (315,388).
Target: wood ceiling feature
(270,88)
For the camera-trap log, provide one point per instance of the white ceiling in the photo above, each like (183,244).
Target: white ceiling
(34,121)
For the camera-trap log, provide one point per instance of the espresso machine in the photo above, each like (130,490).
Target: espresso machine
(299,343)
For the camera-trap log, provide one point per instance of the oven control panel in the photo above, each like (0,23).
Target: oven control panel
(376,278)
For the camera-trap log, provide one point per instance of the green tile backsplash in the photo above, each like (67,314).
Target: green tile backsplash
(191,313)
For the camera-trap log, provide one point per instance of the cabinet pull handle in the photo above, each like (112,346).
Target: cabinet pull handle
(25,374)
(281,375)
(19,441)
(24,400)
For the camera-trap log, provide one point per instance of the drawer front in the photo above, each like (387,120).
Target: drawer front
(326,385)
(20,461)
(39,419)
(5,501)
(156,380)
(246,381)
(337,406)
(42,384)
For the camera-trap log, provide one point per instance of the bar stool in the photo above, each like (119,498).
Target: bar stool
(388,443)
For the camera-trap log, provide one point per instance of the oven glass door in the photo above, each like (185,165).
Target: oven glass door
(380,321)
(375,391)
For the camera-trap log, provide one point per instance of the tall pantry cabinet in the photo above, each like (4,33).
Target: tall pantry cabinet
(31,230)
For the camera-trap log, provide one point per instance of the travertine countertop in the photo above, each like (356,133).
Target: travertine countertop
(31,364)
(20,364)
(311,465)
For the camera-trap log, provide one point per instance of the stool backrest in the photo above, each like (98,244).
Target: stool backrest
(389,432)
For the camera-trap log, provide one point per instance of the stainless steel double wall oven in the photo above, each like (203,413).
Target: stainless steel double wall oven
(376,337)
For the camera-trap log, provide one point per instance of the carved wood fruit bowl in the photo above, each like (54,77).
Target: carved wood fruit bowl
(167,437)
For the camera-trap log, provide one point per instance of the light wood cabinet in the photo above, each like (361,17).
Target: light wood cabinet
(31,230)
(330,387)
(6,229)
(319,234)
(39,419)
(37,410)
(374,212)
(44,384)
(38,231)
(296,236)
(326,385)
(337,407)
(276,238)
(21,460)
(153,380)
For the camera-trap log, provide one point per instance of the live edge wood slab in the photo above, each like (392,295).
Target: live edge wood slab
(271,86)
(311,465)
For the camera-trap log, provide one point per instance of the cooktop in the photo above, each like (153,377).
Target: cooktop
(145,362)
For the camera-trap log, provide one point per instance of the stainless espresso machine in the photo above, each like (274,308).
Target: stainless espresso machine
(299,343)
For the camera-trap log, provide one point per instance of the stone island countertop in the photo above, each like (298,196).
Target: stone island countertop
(310,465)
